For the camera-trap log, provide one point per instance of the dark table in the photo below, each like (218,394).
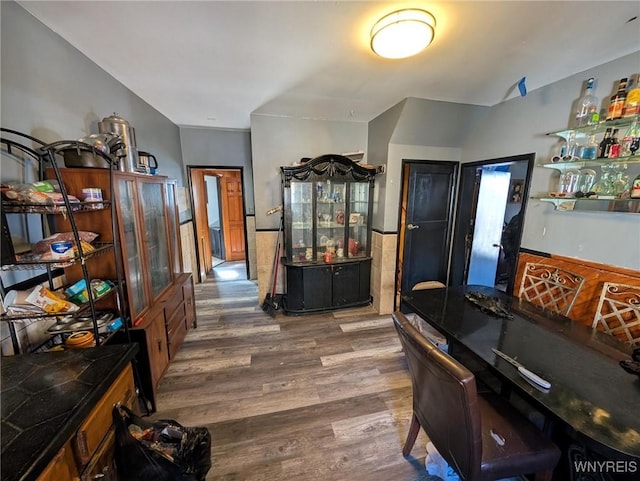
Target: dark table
(45,398)
(590,393)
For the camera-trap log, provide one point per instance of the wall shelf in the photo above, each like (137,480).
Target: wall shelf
(629,206)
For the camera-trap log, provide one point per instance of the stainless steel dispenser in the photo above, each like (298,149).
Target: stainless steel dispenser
(114,124)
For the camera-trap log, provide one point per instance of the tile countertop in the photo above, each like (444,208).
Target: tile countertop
(44,399)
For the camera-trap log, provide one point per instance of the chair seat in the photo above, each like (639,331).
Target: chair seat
(525,448)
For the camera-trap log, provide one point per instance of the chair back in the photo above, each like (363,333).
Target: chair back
(550,287)
(618,312)
(445,400)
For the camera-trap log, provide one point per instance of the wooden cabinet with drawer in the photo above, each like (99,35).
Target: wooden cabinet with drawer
(162,332)
(99,421)
(189,302)
(89,454)
(179,312)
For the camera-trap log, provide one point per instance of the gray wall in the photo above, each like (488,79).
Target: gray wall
(518,126)
(380,131)
(423,130)
(278,141)
(53,92)
(203,147)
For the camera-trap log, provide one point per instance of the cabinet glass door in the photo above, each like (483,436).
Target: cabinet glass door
(174,233)
(301,221)
(131,242)
(155,223)
(330,217)
(358,221)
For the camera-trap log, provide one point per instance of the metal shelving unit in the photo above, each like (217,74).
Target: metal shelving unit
(38,160)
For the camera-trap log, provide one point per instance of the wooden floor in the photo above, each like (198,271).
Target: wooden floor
(321,397)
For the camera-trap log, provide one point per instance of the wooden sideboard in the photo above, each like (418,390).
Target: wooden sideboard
(162,332)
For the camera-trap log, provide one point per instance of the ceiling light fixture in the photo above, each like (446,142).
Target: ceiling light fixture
(403,33)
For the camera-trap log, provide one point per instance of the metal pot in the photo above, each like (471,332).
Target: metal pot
(114,124)
(98,141)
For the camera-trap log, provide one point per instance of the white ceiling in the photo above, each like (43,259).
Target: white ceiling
(213,63)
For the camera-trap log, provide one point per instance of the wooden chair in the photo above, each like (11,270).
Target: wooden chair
(618,312)
(481,436)
(550,287)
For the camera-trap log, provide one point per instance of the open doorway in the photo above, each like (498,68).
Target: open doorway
(492,200)
(478,241)
(214,216)
(219,215)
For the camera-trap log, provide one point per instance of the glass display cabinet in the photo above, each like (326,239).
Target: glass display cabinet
(145,233)
(327,233)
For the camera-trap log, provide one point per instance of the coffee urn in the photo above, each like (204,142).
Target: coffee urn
(114,124)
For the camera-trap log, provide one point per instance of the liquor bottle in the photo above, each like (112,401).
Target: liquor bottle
(629,143)
(602,148)
(632,103)
(587,113)
(617,101)
(614,147)
(590,151)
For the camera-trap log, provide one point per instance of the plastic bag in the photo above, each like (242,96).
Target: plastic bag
(436,465)
(159,451)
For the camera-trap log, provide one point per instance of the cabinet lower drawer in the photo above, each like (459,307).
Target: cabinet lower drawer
(103,466)
(176,331)
(62,468)
(99,421)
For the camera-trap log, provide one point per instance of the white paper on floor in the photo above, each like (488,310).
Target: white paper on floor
(436,465)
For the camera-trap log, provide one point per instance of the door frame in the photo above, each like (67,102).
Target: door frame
(456,262)
(196,209)
(402,215)
(459,259)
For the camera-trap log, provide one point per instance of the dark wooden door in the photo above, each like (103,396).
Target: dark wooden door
(426,221)
(467,219)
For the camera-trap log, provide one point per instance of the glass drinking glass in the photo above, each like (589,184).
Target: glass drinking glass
(621,183)
(605,185)
(587,179)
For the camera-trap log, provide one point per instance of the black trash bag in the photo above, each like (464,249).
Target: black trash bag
(159,451)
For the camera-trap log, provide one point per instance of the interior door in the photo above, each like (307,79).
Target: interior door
(199,199)
(426,222)
(489,221)
(232,216)
(468,219)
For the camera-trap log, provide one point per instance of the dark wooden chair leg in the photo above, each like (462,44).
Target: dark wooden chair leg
(544,476)
(414,429)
